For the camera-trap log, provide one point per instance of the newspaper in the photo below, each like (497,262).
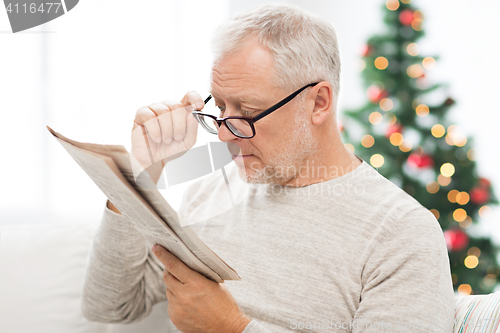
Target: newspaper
(111,168)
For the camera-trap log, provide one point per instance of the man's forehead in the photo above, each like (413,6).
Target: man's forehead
(238,96)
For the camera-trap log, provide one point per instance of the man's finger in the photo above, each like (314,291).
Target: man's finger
(171,282)
(176,267)
(169,294)
(163,115)
(191,130)
(193,98)
(179,122)
(146,117)
(166,125)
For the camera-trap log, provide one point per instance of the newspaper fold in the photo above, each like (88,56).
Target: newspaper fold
(111,168)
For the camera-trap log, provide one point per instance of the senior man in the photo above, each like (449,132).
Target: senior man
(320,239)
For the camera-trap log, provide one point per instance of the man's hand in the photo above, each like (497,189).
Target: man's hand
(195,303)
(168,128)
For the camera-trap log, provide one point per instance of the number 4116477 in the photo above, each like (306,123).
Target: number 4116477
(27,8)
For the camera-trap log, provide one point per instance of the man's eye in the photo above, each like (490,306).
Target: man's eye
(221,109)
(247,113)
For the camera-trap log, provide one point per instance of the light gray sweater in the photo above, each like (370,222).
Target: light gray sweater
(352,254)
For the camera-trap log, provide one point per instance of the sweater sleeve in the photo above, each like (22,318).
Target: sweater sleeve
(255,327)
(123,279)
(406,281)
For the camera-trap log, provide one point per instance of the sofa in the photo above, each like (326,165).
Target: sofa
(42,270)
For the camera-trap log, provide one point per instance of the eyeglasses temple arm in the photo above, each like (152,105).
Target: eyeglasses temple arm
(206,101)
(283,102)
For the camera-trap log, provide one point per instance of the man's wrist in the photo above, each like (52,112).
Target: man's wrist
(241,323)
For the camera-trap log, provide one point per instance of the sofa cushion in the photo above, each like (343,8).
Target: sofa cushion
(41,280)
(477,313)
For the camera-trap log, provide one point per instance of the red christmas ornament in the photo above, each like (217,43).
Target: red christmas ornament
(456,239)
(367,50)
(396,128)
(406,17)
(375,94)
(479,195)
(420,161)
(484,182)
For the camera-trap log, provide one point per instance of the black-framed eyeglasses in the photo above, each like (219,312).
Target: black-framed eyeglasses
(241,127)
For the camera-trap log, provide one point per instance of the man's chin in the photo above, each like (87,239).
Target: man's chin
(253,176)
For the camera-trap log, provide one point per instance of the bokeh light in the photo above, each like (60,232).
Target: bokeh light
(432,187)
(449,140)
(462,198)
(470,154)
(484,212)
(452,196)
(422,110)
(349,147)
(392,4)
(438,130)
(377,160)
(453,129)
(381,63)
(396,139)
(444,181)
(466,223)
(413,49)
(361,65)
(386,104)
(447,169)
(418,14)
(474,251)
(405,146)
(422,83)
(490,280)
(471,262)
(415,71)
(464,289)
(459,214)
(375,118)
(455,136)
(416,24)
(435,212)
(429,62)
(460,141)
(367,141)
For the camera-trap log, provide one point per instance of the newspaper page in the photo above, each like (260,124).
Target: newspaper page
(110,168)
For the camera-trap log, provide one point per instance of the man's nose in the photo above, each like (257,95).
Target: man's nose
(225,135)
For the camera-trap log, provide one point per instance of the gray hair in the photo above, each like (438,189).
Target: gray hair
(304,47)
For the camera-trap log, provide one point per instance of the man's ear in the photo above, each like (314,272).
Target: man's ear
(323,102)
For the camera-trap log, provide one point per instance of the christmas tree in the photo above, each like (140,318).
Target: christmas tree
(403,131)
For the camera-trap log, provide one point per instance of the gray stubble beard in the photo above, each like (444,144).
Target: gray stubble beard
(281,169)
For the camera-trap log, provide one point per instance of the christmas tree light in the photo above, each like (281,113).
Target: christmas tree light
(409,138)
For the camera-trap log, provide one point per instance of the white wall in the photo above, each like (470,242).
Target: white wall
(85,74)
(105,59)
